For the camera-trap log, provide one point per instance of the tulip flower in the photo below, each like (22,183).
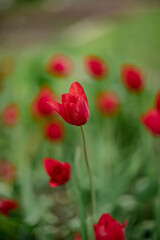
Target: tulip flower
(109,229)
(60,66)
(151,120)
(74,108)
(55,131)
(78,236)
(10,115)
(157,101)
(7,171)
(7,206)
(133,78)
(96,67)
(108,103)
(59,172)
(40,106)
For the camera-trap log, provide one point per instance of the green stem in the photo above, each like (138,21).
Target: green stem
(93,202)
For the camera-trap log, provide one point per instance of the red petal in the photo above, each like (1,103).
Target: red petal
(157,101)
(49,165)
(77,90)
(68,98)
(53,184)
(105,219)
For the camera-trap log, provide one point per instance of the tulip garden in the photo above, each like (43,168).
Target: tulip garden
(80,136)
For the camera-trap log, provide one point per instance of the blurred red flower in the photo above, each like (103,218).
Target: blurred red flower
(59,172)
(151,120)
(7,171)
(108,103)
(10,115)
(109,228)
(40,106)
(96,67)
(7,205)
(55,131)
(60,66)
(74,108)
(78,236)
(157,101)
(133,78)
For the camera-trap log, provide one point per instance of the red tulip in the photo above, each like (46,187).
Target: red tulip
(157,101)
(78,236)
(108,103)
(74,108)
(40,106)
(10,115)
(151,120)
(55,131)
(7,171)
(109,228)
(133,78)
(96,67)
(59,172)
(7,205)
(60,66)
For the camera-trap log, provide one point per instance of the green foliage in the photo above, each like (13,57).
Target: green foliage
(122,154)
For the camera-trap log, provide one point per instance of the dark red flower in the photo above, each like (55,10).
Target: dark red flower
(40,106)
(78,236)
(109,228)
(96,67)
(7,205)
(151,120)
(59,172)
(60,66)
(7,171)
(74,108)
(108,103)
(133,78)
(10,115)
(55,131)
(157,101)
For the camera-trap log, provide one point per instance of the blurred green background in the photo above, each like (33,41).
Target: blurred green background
(123,155)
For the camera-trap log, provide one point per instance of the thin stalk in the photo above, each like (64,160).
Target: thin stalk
(93,202)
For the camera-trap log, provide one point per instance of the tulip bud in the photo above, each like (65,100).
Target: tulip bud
(96,67)
(10,115)
(108,228)
(60,66)
(55,131)
(59,172)
(133,78)
(108,103)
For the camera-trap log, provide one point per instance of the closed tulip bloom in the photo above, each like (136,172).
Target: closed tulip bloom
(7,206)
(78,236)
(151,120)
(157,101)
(59,172)
(108,103)
(10,115)
(109,229)
(96,67)
(60,66)
(133,78)
(7,171)
(40,107)
(55,131)
(74,108)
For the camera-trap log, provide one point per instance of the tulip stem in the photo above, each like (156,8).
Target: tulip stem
(93,202)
